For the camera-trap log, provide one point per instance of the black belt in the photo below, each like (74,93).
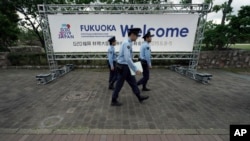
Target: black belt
(113,61)
(122,64)
(142,59)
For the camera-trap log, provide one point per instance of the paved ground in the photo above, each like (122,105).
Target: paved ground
(57,137)
(79,102)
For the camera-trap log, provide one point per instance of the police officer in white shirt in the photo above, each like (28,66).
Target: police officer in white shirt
(145,58)
(112,62)
(124,62)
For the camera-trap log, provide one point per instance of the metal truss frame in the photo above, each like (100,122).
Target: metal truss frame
(48,41)
(122,8)
(103,56)
(198,42)
(45,9)
(193,57)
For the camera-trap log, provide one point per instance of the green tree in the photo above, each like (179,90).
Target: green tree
(226,9)
(241,24)
(220,36)
(185,1)
(190,1)
(28,9)
(70,1)
(28,37)
(8,25)
(133,1)
(237,30)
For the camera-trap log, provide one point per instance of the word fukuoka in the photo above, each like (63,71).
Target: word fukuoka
(159,32)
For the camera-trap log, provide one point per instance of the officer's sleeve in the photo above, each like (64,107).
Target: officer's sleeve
(128,57)
(110,55)
(148,55)
(142,51)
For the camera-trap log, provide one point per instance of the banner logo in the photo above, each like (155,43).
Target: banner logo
(65,32)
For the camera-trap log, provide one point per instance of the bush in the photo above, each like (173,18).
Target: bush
(20,59)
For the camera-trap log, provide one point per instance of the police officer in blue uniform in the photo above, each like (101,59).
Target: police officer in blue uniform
(112,62)
(145,54)
(124,62)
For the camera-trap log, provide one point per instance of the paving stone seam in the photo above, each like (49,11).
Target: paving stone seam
(117,131)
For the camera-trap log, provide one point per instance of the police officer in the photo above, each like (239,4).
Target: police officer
(145,54)
(124,62)
(112,62)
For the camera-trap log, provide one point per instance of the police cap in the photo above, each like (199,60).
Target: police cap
(112,39)
(134,30)
(148,34)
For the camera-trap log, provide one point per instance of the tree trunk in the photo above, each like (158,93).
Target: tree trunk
(35,29)
(225,11)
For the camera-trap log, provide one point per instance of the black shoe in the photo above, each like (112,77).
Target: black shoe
(145,89)
(142,98)
(116,103)
(138,83)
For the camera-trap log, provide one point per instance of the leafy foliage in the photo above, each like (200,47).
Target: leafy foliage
(219,36)
(8,25)
(225,8)
(241,24)
(28,37)
(133,1)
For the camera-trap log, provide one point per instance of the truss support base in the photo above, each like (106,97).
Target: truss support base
(54,74)
(204,78)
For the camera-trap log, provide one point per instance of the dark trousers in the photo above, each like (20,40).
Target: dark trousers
(112,74)
(145,78)
(124,74)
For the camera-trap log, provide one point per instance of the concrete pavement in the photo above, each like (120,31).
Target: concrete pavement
(79,102)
